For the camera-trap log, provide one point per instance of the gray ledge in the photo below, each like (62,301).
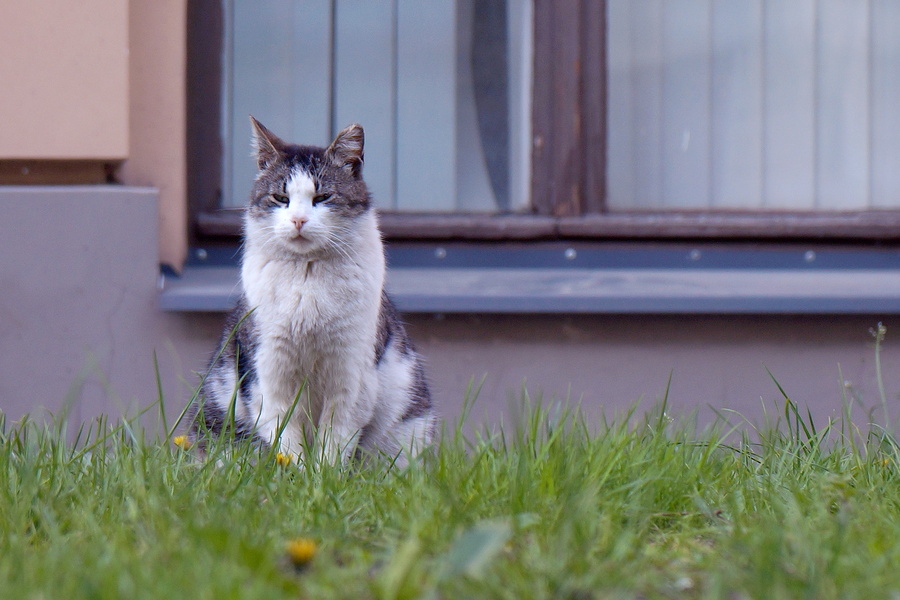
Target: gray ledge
(592,291)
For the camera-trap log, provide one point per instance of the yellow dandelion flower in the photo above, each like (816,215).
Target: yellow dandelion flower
(284,460)
(182,442)
(300,551)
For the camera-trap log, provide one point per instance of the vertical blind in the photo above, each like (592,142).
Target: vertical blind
(753,104)
(444,101)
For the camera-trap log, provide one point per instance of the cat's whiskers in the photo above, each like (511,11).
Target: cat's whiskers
(335,242)
(269,241)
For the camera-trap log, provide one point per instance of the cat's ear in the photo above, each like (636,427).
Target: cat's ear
(346,151)
(267,145)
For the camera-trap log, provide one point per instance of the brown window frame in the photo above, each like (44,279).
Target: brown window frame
(568,156)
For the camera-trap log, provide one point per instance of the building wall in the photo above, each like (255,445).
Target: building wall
(79,321)
(104,81)
(80,324)
(96,90)
(609,363)
(157,153)
(64,68)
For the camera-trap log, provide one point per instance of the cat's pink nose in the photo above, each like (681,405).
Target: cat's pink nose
(299,222)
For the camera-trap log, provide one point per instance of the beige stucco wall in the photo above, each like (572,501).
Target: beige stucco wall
(157,125)
(64,74)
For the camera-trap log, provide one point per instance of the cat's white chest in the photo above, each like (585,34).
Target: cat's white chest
(318,303)
(306,293)
(290,300)
(279,288)
(316,322)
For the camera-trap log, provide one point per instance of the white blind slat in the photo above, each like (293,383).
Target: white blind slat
(737,103)
(364,87)
(686,106)
(764,104)
(885,103)
(789,104)
(843,105)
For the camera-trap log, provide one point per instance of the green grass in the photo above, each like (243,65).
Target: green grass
(553,508)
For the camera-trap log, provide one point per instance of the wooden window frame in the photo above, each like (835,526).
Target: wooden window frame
(568,156)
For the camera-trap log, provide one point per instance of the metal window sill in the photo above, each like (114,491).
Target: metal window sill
(564,280)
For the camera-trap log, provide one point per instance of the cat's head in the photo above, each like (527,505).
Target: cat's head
(305,199)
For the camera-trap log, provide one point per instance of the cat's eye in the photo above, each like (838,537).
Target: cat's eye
(319,199)
(281,199)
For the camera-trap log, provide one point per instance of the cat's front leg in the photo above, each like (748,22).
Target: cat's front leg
(345,413)
(281,415)
(336,443)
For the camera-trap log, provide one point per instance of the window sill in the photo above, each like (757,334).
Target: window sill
(565,279)
(863,226)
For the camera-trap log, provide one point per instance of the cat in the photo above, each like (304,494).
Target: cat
(315,349)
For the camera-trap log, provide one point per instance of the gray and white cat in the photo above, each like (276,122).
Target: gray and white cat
(313,318)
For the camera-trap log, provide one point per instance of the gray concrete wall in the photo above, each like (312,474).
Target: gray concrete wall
(79,324)
(78,303)
(609,363)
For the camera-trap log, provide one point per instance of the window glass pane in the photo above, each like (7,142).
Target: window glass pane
(441,88)
(753,104)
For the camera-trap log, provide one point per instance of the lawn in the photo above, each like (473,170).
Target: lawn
(555,507)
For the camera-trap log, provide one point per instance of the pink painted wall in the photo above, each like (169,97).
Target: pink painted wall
(65,76)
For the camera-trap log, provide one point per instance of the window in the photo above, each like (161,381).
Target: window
(442,88)
(519,119)
(753,105)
